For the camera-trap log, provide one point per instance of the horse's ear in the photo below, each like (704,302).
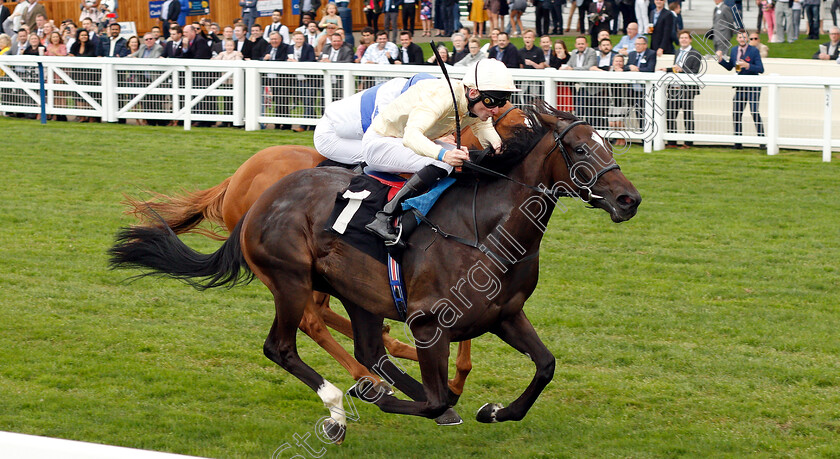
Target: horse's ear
(547,120)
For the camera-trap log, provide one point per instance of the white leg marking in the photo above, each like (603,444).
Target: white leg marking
(332,398)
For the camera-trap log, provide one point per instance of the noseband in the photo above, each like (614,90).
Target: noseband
(584,187)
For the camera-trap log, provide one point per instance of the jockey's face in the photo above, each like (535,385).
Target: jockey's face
(479,109)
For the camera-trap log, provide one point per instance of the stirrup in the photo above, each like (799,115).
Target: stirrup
(397,241)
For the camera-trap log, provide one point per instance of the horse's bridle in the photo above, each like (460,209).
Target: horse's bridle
(496,121)
(558,142)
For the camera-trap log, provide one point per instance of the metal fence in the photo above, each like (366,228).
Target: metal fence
(653,108)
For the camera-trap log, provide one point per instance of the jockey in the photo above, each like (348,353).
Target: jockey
(400,137)
(338,134)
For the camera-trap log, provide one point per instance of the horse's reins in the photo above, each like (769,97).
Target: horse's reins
(558,143)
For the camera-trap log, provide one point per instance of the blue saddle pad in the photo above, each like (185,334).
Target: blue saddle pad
(425,201)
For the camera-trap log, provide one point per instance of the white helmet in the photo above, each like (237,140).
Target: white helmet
(489,75)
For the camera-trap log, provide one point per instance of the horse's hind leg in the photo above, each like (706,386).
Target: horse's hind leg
(463,366)
(340,324)
(313,325)
(281,348)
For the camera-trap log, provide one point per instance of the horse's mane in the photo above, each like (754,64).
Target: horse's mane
(523,138)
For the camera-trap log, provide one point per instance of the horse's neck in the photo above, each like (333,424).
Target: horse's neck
(521,213)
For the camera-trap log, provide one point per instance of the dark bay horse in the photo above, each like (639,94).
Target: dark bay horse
(455,292)
(226,203)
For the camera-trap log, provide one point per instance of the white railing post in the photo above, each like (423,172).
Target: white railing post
(239,97)
(349,84)
(109,95)
(658,109)
(328,88)
(773,119)
(826,157)
(253,92)
(646,124)
(550,92)
(188,98)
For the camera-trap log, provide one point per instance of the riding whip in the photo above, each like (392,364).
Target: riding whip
(454,101)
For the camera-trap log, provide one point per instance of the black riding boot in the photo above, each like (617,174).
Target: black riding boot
(418,184)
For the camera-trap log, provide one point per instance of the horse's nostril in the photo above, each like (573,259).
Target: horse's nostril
(625,200)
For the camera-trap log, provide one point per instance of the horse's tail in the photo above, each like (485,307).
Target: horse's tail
(160,252)
(185,212)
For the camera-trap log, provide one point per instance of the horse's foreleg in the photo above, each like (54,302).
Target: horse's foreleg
(434,363)
(312,324)
(519,333)
(463,365)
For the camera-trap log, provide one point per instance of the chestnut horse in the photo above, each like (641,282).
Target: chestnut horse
(226,203)
(282,242)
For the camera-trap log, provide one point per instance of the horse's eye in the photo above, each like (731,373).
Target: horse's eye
(580,151)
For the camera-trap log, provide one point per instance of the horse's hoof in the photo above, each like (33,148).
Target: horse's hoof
(365,390)
(487,413)
(383,387)
(334,431)
(449,418)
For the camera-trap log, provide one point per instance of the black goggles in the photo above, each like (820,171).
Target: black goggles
(493,99)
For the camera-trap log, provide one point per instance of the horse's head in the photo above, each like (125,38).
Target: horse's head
(581,162)
(508,118)
(505,121)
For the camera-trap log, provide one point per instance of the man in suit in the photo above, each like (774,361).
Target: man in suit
(410,52)
(35,8)
(600,92)
(303,87)
(193,45)
(241,42)
(278,51)
(169,12)
(338,51)
(172,48)
(681,95)
(640,60)
(219,47)
(506,52)
(600,15)
(249,13)
(747,61)
(723,25)
(661,40)
(112,45)
(832,48)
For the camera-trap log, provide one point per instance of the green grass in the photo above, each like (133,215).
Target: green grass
(705,326)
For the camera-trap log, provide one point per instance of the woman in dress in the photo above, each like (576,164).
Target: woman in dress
(478,15)
(426,17)
(55,46)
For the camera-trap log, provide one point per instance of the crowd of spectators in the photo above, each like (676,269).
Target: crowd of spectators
(650,29)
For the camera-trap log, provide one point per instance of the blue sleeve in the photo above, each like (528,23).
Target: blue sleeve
(756,66)
(731,62)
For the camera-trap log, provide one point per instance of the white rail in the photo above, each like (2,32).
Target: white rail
(797,112)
